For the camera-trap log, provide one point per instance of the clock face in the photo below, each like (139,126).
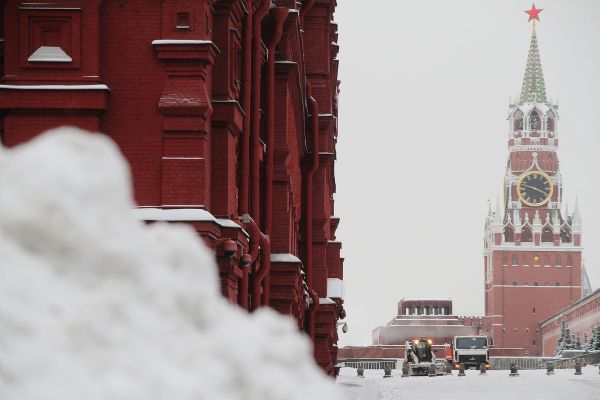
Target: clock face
(534,188)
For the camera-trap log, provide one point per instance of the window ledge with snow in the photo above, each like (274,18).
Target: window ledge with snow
(284,258)
(49,54)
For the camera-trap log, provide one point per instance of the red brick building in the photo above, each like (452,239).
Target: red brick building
(226,111)
(532,250)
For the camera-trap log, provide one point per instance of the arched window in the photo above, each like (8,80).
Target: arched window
(547,235)
(509,234)
(515,261)
(550,121)
(557,262)
(535,122)
(557,284)
(518,117)
(569,260)
(526,235)
(547,261)
(565,235)
(533,309)
(535,284)
(504,259)
(514,283)
(536,260)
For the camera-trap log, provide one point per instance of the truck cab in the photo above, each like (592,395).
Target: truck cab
(471,351)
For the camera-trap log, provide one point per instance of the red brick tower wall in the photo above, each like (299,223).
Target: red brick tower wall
(532,252)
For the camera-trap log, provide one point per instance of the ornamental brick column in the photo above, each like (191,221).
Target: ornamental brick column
(186,109)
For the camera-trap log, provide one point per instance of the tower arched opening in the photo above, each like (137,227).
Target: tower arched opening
(518,120)
(509,234)
(547,234)
(550,117)
(535,121)
(565,234)
(526,235)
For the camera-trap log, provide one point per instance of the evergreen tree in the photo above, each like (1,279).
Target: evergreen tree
(577,344)
(565,337)
(592,340)
(586,341)
(596,338)
(570,340)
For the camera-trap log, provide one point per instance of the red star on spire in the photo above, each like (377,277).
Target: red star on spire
(533,13)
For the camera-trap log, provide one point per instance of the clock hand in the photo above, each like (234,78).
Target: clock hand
(534,188)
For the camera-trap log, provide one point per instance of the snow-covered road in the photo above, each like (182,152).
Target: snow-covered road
(495,385)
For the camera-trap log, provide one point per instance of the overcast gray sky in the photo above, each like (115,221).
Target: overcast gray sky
(423,140)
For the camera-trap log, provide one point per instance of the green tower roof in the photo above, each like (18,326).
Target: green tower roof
(533,89)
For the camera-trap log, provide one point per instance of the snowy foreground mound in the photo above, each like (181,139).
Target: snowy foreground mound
(96,305)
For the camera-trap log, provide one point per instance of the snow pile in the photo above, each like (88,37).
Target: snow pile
(96,305)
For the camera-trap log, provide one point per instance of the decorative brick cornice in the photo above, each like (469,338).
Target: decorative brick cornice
(177,49)
(54,97)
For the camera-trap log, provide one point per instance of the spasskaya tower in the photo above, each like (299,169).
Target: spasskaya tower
(532,250)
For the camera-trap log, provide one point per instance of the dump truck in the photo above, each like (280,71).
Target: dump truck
(419,357)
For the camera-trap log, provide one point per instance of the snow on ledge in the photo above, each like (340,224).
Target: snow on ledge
(284,258)
(335,288)
(227,223)
(425,299)
(175,214)
(180,41)
(326,300)
(55,87)
(181,214)
(49,54)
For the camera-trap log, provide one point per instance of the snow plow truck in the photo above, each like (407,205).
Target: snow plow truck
(471,352)
(419,357)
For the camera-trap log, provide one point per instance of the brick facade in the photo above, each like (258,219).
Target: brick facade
(226,111)
(580,317)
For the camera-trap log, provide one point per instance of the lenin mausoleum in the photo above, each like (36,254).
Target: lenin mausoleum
(227,113)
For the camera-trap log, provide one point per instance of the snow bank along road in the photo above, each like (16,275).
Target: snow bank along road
(495,385)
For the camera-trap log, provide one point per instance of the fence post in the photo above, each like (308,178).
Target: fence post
(577,367)
(387,372)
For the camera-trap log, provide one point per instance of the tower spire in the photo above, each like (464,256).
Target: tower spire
(533,89)
(576,220)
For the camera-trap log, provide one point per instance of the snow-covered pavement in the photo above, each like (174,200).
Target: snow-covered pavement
(495,385)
